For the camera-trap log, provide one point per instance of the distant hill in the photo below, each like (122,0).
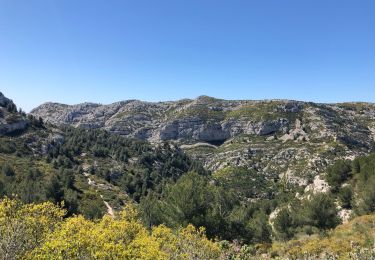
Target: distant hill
(279,138)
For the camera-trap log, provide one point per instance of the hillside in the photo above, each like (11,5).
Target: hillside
(215,121)
(92,172)
(88,170)
(291,173)
(352,240)
(10,119)
(280,139)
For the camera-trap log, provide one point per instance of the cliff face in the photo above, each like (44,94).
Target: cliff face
(204,119)
(10,119)
(214,120)
(281,138)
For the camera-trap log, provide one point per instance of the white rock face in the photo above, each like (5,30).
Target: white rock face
(215,120)
(372,129)
(203,119)
(8,128)
(297,134)
(272,217)
(344,215)
(318,186)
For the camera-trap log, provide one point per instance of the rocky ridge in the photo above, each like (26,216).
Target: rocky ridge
(279,138)
(203,119)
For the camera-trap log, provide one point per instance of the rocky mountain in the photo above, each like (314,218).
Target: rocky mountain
(281,138)
(10,119)
(203,119)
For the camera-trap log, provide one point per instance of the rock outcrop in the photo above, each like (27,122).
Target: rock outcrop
(6,128)
(292,140)
(214,120)
(203,119)
(10,119)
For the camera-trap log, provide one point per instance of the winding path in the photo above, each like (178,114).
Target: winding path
(92,183)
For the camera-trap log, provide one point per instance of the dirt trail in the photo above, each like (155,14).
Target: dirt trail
(109,208)
(92,183)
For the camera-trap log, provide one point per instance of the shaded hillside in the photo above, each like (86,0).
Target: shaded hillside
(91,171)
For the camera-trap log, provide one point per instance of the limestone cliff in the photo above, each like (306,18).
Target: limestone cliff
(281,138)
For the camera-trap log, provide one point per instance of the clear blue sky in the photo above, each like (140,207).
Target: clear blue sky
(103,51)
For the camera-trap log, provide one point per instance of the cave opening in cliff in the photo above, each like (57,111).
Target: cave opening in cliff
(217,142)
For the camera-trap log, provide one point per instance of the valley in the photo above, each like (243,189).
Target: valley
(257,175)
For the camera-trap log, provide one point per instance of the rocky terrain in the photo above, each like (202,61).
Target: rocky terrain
(280,138)
(10,119)
(203,119)
(276,161)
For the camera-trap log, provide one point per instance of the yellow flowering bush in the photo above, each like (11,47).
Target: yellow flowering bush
(344,240)
(46,235)
(23,227)
(40,231)
(186,243)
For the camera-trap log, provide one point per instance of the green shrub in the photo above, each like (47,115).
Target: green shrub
(345,196)
(338,174)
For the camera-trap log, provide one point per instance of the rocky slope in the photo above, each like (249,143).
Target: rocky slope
(10,119)
(203,119)
(280,138)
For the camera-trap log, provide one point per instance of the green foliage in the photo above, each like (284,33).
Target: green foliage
(353,240)
(36,122)
(345,196)
(362,185)
(40,231)
(54,190)
(311,215)
(7,146)
(243,182)
(11,107)
(320,211)
(283,225)
(7,171)
(92,206)
(366,198)
(153,167)
(338,174)
(259,227)
(195,199)
(184,202)
(267,110)
(31,187)
(52,170)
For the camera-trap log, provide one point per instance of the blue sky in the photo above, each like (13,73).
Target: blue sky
(103,51)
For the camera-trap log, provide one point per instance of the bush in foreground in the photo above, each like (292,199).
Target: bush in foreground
(39,231)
